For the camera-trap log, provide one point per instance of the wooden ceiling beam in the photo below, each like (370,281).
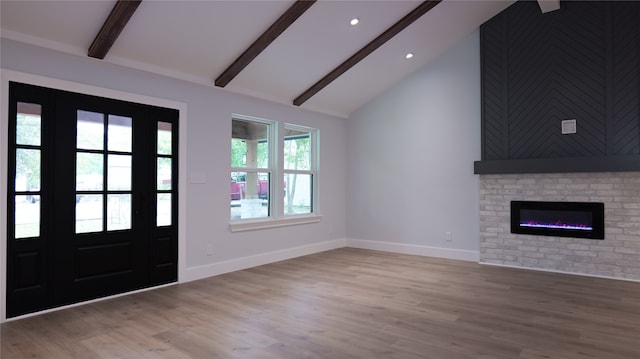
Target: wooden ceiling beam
(112,27)
(366,50)
(267,37)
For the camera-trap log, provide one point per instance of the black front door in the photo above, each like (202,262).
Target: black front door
(94,187)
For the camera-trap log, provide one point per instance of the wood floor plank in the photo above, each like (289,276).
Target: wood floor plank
(349,304)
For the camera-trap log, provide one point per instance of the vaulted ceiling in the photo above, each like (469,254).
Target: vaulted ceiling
(301,53)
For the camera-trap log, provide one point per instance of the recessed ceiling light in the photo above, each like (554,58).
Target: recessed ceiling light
(354,21)
(408,56)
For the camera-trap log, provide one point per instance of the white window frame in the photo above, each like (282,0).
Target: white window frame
(313,170)
(276,172)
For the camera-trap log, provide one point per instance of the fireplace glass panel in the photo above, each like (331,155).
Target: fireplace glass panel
(537,218)
(562,219)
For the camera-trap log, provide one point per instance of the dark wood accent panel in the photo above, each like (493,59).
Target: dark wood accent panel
(625,79)
(556,72)
(112,27)
(494,105)
(276,29)
(414,15)
(580,62)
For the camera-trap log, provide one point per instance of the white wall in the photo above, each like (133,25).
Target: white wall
(209,113)
(410,154)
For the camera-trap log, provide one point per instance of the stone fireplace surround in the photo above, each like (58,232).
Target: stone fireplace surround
(617,256)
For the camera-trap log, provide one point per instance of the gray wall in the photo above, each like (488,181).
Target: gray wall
(410,153)
(208,119)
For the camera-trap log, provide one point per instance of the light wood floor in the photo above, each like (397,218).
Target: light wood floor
(349,303)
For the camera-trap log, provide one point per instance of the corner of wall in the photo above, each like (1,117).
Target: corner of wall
(214,269)
(411,249)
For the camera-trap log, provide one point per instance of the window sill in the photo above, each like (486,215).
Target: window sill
(250,225)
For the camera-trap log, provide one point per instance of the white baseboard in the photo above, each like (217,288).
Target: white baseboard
(257,260)
(448,253)
(560,272)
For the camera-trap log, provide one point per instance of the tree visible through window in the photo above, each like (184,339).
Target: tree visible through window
(298,170)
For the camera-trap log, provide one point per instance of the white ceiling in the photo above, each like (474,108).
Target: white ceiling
(198,40)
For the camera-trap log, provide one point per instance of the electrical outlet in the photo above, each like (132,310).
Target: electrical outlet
(448,236)
(209,249)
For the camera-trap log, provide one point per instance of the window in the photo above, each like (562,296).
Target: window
(261,171)
(299,169)
(250,168)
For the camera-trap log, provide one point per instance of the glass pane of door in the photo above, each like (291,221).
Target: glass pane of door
(119,133)
(164,138)
(99,203)
(163,217)
(27,222)
(89,171)
(118,212)
(90,130)
(164,173)
(89,213)
(28,125)
(119,173)
(27,169)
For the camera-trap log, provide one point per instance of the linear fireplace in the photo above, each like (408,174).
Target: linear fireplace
(561,219)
